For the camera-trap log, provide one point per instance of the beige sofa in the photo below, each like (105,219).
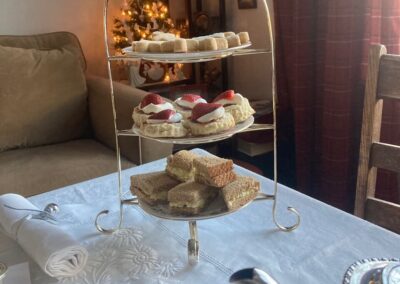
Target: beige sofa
(56,123)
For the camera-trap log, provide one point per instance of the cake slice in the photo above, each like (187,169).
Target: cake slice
(191,197)
(152,187)
(180,165)
(214,171)
(240,191)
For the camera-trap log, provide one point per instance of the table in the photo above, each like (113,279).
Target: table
(150,250)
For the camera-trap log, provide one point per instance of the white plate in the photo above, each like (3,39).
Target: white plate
(215,209)
(188,57)
(200,139)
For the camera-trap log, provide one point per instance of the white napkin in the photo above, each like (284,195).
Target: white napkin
(53,249)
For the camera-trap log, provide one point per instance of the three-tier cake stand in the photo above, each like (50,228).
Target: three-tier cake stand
(193,243)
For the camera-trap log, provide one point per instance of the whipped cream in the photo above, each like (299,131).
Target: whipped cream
(189,105)
(152,108)
(236,100)
(177,117)
(214,115)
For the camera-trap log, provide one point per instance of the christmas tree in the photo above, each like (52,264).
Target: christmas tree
(139,19)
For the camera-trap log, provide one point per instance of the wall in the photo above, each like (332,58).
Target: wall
(251,75)
(84,18)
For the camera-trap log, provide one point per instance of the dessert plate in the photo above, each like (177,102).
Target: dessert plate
(188,57)
(216,208)
(200,139)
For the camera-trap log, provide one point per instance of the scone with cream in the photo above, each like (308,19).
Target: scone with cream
(235,104)
(151,104)
(180,165)
(209,119)
(186,103)
(166,123)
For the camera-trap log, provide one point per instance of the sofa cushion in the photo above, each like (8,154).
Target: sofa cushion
(43,97)
(40,169)
(54,40)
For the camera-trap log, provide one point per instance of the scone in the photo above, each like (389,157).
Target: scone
(235,104)
(151,104)
(152,187)
(209,119)
(166,123)
(186,103)
(239,192)
(180,165)
(191,197)
(213,171)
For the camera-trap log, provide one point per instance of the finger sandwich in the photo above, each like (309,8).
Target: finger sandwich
(239,192)
(191,197)
(213,171)
(152,187)
(180,165)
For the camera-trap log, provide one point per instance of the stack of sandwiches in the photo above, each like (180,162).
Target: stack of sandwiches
(191,182)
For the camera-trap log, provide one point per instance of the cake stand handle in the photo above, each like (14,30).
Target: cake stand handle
(193,244)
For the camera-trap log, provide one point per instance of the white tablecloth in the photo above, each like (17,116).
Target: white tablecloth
(150,250)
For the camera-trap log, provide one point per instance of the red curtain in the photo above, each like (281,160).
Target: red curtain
(322,49)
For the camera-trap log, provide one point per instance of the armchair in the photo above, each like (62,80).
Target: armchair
(56,123)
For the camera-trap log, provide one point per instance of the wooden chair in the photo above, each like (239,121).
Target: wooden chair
(383,82)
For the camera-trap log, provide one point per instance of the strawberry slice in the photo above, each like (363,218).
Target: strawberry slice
(163,115)
(227,95)
(190,98)
(202,109)
(151,99)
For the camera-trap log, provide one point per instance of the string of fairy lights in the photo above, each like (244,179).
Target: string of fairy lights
(139,19)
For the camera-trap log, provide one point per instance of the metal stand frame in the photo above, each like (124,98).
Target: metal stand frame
(193,243)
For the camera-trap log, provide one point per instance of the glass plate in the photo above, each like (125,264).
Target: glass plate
(200,139)
(362,271)
(188,57)
(215,209)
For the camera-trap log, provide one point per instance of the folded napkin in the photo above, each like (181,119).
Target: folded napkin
(53,249)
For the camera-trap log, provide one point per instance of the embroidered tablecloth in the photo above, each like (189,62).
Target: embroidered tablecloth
(151,250)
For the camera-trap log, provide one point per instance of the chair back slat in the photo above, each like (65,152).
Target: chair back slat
(383,213)
(389,77)
(385,156)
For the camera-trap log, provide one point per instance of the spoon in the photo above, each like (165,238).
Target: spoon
(251,276)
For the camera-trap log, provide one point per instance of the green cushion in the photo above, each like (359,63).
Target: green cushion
(43,97)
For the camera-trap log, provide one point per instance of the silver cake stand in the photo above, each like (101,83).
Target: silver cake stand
(249,125)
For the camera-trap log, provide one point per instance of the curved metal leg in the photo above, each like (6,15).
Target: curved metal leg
(193,244)
(105,212)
